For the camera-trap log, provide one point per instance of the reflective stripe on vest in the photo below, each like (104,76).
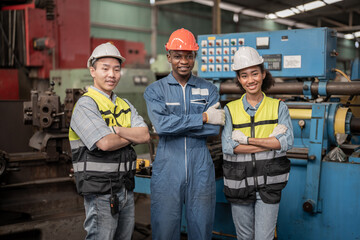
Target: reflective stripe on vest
(234,184)
(103,167)
(259,156)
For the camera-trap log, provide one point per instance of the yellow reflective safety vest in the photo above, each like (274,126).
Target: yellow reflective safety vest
(103,172)
(264,172)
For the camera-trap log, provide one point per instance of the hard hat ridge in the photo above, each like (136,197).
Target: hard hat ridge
(182,39)
(105,50)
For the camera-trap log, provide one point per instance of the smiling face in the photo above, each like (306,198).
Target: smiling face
(106,74)
(251,79)
(182,62)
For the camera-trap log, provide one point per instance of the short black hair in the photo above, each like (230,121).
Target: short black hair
(268,81)
(93,63)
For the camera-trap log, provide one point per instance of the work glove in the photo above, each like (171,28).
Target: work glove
(240,137)
(279,129)
(215,116)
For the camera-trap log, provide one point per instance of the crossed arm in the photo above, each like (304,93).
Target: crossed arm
(258,145)
(123,137)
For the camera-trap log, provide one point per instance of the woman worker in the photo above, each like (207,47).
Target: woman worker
(256,136)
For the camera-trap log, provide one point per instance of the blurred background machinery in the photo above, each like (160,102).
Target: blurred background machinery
(44,46)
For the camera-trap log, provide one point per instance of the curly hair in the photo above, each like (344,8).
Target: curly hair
(268,81)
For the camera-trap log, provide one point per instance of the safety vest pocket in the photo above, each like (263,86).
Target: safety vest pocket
(235,181)
(276,173)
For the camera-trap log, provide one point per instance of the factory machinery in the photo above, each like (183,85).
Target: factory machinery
(320,200)
(43,63)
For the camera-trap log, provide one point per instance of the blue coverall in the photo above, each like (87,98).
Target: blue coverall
(183,170)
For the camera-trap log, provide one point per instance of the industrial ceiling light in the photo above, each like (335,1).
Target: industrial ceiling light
(313,5)
(299,9)
(285,13)
(295,10)
(357,34)
(349,36)
(236,17)
(331,1)
(270,16)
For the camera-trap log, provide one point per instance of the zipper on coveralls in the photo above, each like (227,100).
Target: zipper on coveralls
(183,88)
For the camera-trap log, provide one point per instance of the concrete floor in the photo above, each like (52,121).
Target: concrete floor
(142,218)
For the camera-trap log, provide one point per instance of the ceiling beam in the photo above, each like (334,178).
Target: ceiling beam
(333,22)
(347,28)
(164,2)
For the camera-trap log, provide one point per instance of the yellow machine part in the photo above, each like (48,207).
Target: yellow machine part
(300,113)
(340,118)
(142,163)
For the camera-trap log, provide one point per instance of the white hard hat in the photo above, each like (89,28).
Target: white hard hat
(105,50)
(246,57)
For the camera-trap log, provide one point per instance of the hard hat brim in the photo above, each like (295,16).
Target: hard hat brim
(122,59)
(251,65)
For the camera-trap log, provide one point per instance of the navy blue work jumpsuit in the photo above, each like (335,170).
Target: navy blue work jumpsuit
(183,170)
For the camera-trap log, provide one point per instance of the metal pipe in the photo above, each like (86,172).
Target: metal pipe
(27,156)
(38,182)
(296,88)
(216,17)
(355,125)
(298,153)
(154,23)
(298,162)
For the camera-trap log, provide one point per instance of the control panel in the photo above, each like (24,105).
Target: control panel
(288,53)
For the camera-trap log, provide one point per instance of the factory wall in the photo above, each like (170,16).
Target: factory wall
(132,21)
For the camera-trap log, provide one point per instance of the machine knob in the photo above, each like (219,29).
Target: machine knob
(312,157)
(308,206)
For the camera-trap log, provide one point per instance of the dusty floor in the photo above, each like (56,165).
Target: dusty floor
(142,217)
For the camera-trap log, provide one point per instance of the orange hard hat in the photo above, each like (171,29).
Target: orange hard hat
(182,39)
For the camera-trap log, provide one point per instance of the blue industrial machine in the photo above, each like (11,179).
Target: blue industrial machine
(321,198)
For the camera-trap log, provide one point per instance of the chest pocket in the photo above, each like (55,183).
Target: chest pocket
(198,105)
(199,100)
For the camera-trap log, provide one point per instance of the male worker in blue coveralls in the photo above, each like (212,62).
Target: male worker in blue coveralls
(184,111)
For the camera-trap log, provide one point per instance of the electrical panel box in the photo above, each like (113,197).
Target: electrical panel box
(297,53)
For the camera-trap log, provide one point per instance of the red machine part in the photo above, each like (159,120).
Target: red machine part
(63,41)
(73,37)
(9,84)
